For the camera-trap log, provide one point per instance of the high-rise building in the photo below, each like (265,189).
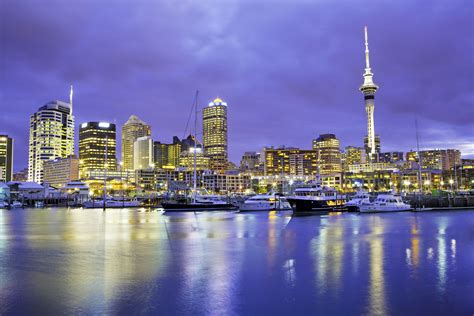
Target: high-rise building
(214,124)
(6,158)
(354,155)
(51,136)
(368,88)
(167,155)
(143,153)
(131,130)
(59,172)
(187,160)
(330,153)
(97,147)
(290,161)
(368,150)
(436,159)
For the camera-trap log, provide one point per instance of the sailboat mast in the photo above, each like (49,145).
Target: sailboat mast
(195,143)
(105,171)
(419,158)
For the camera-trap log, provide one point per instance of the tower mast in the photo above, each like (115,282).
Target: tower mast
(368,88)
(70,97)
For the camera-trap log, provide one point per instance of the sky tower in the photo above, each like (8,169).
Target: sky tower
(368,88)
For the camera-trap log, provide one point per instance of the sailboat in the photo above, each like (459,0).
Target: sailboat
(197,201)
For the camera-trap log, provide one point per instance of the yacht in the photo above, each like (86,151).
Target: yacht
(199,202)
(361,197)
(16,204)
(265,202)
(111,203)
(315,198)
(385,203)
(4,204)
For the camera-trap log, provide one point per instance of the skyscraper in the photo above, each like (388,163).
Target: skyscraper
(214,134)
(368,88)
(51,136)
(133,129)
(6,158)
(143,153)
(330,153)
(167,155)
(95,138)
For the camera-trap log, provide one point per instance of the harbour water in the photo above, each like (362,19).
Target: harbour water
(63,261)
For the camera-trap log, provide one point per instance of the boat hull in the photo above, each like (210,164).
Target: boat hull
(308,206)
(384,210)
(198,207)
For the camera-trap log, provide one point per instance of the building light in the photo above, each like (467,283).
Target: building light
(104,124)
(84,125)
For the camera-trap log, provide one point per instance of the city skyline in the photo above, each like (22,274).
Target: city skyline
(263,95)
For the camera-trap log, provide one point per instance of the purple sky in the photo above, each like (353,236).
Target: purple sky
(289,70)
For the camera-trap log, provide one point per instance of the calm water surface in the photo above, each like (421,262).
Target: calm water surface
(60,261)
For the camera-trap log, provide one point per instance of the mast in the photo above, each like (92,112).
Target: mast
(195,145)
(420,187)
(105,171)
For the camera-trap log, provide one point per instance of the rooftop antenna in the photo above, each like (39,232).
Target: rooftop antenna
(71,92)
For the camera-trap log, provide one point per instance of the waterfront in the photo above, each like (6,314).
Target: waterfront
(56,261)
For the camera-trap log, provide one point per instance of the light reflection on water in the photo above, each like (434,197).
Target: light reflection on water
(122,261)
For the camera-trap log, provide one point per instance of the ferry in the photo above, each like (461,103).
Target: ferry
(385,203)
(265,202)
(313,198)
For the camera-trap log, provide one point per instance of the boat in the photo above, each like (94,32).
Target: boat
(314,198)
(265,202)
(16,204)
(359,198)
(4,204)
(39,204)
(197,201)
(385,203)
(111,202)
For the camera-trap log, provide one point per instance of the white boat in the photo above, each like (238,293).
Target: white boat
(16,204)
(361,197)
(265,202)
(4,204)
(385,203)
(111,203)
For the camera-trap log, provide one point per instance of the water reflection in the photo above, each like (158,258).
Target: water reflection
(126,262)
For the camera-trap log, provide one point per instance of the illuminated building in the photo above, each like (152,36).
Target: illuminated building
(251,163)
(436,159)
(186,160)
(330,153)
(6,158)
(51,136)
(167,155)
(131,130)
(353,155)
(290,161)
(59,172)
(214,125)
(392,156)
(143,153)
(226,182)
(95,138)
(368,88)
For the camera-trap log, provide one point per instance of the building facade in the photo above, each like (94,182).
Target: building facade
(167,155)
(97,147)
(251,162)
(51,137)
(290,161)
(6,158)
(354,155)
(329,153)
(392,156)
(436,159)
(214,124)
(131,130)
(186,160)
(143,153)
(59,172)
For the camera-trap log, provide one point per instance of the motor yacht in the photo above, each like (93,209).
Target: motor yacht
(385,203)
(265,202)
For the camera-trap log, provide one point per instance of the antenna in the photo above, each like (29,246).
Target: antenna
(367,62)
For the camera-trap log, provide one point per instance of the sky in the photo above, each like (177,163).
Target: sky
(289,70)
